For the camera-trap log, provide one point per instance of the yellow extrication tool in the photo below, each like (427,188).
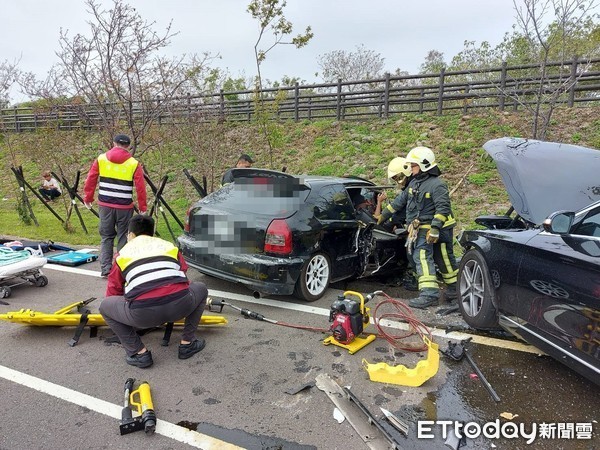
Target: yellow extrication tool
(404,376)
(146,419)
(82,317)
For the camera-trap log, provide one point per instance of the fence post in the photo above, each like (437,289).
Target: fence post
(466,100)
(386,98)
(309,106)
(421,93)
(339,99)
(502,86)
(573,82)
(441,92)
(158,108)
(296,102)
(515,99)
(17,127)
(221,104)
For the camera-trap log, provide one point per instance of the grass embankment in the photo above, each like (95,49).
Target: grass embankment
(320,147)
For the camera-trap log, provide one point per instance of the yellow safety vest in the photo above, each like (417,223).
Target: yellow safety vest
(116,180)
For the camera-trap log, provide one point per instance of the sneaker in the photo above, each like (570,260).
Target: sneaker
(141,360)
(422,302)
(188,350)
(104,274)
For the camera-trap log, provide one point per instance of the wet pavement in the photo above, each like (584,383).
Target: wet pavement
(235,389)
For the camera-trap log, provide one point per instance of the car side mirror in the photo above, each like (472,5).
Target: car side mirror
(559,222)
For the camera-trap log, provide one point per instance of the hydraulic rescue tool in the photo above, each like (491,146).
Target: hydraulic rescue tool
(146,420)
(348,316)
(457,351)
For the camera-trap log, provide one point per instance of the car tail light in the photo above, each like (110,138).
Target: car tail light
(278,238)
(186,225)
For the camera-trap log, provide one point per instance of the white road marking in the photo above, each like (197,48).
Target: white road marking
(455,335)
(164,428)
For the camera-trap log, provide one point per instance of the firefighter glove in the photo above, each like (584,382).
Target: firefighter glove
(433,234)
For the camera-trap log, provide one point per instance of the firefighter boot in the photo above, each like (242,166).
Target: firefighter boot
(450,295)
(427,297)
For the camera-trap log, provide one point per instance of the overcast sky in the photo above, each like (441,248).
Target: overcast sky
(402,31)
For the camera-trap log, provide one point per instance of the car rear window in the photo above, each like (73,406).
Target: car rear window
(278,197)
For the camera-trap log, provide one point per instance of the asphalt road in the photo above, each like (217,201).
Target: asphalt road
(233,392)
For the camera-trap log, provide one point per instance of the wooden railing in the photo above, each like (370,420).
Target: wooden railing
(505,87)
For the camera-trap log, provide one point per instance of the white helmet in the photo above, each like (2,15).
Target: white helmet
(422,156)
(398,166)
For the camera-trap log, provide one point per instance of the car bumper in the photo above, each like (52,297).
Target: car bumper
(260,273)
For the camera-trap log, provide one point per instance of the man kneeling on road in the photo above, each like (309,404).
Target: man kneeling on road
(147,287)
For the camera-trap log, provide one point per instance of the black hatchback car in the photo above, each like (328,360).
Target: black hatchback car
(283,234)
(536,270)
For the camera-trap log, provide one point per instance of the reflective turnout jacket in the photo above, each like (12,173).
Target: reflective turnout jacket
(425,198)
(148,264)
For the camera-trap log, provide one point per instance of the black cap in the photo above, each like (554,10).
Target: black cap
(245,157)
(122,139)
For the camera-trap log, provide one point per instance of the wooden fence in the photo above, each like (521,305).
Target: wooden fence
(505,87)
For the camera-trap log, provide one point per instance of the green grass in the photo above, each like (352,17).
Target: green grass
(324,147)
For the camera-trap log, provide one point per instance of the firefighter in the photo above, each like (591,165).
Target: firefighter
(431,223)
(399,172)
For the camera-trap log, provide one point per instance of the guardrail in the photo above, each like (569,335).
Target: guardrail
(505,87)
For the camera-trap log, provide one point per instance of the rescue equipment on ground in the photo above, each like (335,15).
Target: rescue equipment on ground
(146,419)
(348,317)
(82,318)
(20,267)
(402,375)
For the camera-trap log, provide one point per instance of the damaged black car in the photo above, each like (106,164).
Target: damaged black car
(535,271)
(283,234)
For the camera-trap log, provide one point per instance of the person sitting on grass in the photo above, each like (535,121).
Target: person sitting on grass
(50,188)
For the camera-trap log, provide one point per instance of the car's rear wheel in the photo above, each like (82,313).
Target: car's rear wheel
(314,278)
(476,294)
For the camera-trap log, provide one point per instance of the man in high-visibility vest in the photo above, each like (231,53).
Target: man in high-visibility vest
(116,172)
(147,286)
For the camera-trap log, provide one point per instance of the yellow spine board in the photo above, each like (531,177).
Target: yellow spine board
(402,375)
(62,319)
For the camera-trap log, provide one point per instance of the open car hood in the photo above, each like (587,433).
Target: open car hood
(543,177)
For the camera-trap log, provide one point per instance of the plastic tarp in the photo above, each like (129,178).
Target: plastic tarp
(543,177)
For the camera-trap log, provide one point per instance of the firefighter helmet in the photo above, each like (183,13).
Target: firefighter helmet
(398,166)
(422,156)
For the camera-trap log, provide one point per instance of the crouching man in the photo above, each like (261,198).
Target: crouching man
(147,287)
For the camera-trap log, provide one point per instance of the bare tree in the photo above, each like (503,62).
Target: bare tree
(8,76)
(116,72)
(270,16)
(362,64)
(549,38)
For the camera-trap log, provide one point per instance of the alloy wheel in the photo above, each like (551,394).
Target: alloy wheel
(472,288)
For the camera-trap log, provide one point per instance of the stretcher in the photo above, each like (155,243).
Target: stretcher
(20,267)
(76,314)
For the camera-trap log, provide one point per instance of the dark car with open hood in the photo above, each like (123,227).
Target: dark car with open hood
(535,271)
(284,234)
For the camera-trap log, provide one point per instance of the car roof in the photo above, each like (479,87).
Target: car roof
(309,180)
(543,177)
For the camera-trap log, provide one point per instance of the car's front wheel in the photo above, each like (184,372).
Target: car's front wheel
(476,294)
(314,278)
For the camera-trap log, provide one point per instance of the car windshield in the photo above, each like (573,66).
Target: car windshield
(261,195)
